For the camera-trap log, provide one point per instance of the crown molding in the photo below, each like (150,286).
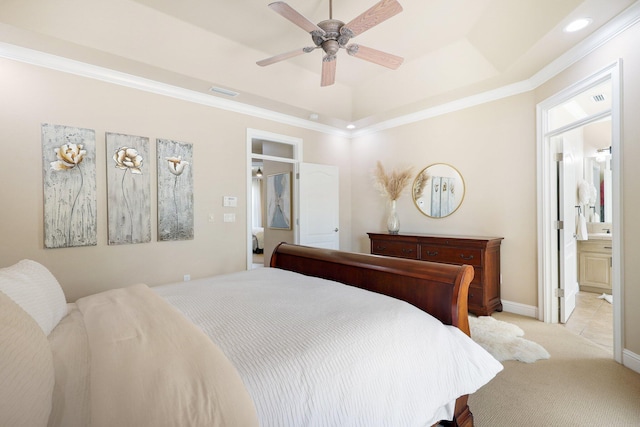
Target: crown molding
(449,107)
(66,65)
(627,19)
(622,22)
(619,24)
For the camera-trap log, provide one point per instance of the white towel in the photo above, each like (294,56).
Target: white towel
(581,228)
(584,192)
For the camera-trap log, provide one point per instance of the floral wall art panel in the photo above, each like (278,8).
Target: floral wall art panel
(175,190)
(128,189)
(69,172)
(279,201)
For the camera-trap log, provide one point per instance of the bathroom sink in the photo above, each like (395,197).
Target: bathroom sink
(599,236)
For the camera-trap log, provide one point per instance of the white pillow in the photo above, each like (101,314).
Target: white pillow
(33,287)
(26,368)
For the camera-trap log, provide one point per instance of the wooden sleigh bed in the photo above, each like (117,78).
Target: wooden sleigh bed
(271,346)
(438,289)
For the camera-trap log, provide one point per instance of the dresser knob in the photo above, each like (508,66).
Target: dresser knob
(466,257)
(435,253)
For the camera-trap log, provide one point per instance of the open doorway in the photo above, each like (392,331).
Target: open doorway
(574,127)
(275,158)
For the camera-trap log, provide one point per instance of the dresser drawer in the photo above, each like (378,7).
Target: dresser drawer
(396,249)
(453,255)
(475,296)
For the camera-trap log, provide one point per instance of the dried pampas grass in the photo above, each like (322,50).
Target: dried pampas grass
(391,184)
(419,184)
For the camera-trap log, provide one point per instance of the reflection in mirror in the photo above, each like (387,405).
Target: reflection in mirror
(438,190)
(597,171)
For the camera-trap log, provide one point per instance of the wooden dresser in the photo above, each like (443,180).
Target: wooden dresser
(483,253)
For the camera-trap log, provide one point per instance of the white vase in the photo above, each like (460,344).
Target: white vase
(393,222)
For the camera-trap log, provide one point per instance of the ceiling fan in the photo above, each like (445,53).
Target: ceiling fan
(332,35)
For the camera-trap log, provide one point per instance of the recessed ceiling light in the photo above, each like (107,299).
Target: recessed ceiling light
(351,126)
(577,25)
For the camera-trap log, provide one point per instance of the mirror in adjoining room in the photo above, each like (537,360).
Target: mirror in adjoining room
(597,170)
(438,190)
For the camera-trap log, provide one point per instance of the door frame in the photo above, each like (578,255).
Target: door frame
(296,144)
(547,261)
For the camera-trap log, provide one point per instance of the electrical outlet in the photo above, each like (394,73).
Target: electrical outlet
(229,217)
(187,277)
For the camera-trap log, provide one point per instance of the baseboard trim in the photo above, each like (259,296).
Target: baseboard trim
(521,309)
(631,360)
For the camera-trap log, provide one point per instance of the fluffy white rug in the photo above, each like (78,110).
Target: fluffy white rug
(503,340)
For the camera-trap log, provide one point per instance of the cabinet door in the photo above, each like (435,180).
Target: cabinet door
(595,270)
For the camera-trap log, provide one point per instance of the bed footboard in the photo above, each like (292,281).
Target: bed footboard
(439,289)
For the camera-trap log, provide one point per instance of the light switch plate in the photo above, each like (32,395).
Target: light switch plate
(230,201)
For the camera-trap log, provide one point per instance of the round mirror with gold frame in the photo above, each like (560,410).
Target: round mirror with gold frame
(438,190)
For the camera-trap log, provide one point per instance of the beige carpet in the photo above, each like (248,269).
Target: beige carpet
(579,385)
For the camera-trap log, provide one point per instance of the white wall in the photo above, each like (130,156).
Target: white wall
(493,147)
(32,96)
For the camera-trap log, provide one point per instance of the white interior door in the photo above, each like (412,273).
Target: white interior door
(568,246)
(319,205)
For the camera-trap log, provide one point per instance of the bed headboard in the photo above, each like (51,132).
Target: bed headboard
(439,289)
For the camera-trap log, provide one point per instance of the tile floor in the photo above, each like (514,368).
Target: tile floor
(593,319)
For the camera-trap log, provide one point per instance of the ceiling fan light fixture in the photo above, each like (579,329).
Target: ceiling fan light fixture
(332,35)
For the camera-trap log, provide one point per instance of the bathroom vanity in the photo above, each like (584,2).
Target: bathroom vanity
(595,262)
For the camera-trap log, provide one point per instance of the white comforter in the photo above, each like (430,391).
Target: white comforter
(317,353)
(125,357)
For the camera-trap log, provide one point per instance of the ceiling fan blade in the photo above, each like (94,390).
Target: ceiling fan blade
(283,56)
(286,11)
(376,56)
(380,12)
(328,70)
